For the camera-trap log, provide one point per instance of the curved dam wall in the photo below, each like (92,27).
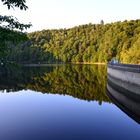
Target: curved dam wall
(125,77)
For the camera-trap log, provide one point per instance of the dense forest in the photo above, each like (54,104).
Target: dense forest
(73,80)
(9,40)
(89,43)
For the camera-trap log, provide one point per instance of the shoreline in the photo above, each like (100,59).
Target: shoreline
(59,64)
(96,63)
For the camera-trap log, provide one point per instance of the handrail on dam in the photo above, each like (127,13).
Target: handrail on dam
(125,67)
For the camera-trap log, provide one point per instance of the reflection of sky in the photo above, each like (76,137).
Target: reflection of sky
(29,115)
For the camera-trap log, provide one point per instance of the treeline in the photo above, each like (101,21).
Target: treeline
(87,43)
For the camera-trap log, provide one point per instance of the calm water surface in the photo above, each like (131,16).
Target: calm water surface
(67,102)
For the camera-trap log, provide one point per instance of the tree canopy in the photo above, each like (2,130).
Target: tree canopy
(8,35)
(86,43)
(15,3)
(9,21)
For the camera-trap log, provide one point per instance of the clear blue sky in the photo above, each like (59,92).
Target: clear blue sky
(48,14)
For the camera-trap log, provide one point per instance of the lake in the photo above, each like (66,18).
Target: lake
(61,102)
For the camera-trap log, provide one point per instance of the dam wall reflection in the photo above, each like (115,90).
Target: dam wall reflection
(123,88)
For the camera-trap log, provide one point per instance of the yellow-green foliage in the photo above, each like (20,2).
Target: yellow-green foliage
(87,43)
(132,55)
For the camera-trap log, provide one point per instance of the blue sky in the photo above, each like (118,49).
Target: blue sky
(49,14)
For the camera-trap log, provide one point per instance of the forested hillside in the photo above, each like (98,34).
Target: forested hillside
(87,43)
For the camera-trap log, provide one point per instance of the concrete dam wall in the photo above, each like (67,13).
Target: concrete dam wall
(125,76)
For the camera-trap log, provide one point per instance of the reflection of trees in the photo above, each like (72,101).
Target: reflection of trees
(81,81)
(13,78)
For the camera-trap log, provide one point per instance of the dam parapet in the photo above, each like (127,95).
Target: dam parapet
(125,76)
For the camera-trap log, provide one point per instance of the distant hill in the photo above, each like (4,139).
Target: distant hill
(86,43)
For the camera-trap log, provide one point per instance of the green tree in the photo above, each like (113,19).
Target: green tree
(7,26)
(85,43)
(11,22)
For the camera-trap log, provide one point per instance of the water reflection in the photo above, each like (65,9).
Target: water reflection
(127,101)
(30,115)
(80,81)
